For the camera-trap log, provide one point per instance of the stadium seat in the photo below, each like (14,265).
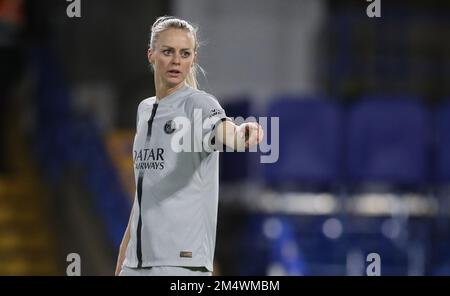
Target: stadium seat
(388,142)
(310,137)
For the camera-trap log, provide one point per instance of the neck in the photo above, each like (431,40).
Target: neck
(163,91)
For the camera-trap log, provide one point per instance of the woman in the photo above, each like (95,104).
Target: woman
(172,227)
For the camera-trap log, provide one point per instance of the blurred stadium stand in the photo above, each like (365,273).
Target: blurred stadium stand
(71,147)
(28,241)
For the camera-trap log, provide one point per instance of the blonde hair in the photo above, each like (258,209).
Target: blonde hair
(167,22)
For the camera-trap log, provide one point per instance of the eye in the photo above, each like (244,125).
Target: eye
(185,54)
(166,52)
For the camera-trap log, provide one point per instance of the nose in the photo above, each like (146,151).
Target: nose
(176,59)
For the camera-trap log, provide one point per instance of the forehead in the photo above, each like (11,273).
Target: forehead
(176,38)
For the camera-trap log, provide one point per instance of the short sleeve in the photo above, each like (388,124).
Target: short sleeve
(207,112)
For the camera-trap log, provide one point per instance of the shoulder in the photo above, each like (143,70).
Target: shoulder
(146,103)
(201,99)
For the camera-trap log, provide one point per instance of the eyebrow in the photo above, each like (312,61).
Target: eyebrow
(170,47)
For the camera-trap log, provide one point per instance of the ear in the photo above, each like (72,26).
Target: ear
(150,56)
(195,59)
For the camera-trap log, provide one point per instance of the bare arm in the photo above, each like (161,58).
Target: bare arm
(123,247)
(239,137)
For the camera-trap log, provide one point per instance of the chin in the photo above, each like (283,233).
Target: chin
(173,82)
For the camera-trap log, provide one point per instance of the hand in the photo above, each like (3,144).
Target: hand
(252,132)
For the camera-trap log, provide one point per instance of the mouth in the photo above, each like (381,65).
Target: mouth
(174,72)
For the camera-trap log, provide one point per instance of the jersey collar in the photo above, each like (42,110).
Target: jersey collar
(172,97)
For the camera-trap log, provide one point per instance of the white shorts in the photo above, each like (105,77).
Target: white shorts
(164,271)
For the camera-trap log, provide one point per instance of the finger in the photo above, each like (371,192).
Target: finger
(251,129)
(247,132)
(256,129)
(253,137)
(260,134)
(241,132)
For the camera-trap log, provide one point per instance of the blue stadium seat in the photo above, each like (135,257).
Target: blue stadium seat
(442,145)
(388,142)
(310,147)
